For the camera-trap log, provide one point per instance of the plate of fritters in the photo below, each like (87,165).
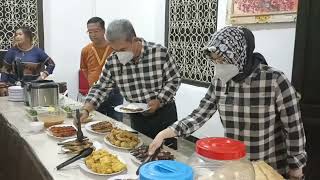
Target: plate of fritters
(140,154)
(99,127)
(103,163)
(62,131)
(73,146)
(122,139)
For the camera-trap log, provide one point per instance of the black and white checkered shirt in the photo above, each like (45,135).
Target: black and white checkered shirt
(262,111)
(154,76)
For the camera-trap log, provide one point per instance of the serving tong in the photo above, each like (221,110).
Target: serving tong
(82,154)
(80,136)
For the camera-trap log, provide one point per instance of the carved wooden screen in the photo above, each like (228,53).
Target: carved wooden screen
(190,23)
(16,13)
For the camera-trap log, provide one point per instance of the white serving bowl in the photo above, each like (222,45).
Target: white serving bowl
(36,126)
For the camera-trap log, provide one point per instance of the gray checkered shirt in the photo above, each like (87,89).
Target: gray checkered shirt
(154,76)
(262,111)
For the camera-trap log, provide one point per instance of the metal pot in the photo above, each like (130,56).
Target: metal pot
(42,93)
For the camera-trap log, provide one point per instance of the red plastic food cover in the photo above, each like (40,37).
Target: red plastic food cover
(221,148)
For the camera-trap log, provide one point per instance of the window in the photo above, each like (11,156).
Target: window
(189,26)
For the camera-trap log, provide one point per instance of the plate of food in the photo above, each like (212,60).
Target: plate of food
(62,131)
(141,153)
(99,127)
(123,139)
(103,163)
(73,146)
(132,108)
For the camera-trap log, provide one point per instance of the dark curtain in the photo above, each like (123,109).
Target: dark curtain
(306,79)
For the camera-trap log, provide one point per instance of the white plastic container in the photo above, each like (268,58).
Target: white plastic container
(221,159)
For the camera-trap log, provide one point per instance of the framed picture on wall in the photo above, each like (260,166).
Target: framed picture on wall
(262,11)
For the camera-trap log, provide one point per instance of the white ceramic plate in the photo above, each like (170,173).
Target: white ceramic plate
(83,166)
(110,144)
(15,99)
(143,106)
(88,127)
(124,177)
(49,133)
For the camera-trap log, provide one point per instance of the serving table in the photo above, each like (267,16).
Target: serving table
(27,155)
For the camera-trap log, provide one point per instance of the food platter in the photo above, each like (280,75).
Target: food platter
(62,131)
(132,108)
(99,127)
(110,144)
(139,155)
(123,139)
(103,159)
(73,146)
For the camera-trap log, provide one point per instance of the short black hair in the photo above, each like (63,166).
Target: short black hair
(96,20)
(27,32)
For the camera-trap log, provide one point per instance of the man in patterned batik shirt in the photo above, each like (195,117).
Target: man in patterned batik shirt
(144,73)
(257,104)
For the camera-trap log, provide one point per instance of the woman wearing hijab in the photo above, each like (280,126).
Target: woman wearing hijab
(257,104)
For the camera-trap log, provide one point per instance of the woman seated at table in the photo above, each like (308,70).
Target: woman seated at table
(35,63)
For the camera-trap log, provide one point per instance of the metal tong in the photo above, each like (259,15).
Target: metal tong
(80,136)
(84,153)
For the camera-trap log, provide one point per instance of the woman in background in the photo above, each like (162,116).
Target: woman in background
(34,62)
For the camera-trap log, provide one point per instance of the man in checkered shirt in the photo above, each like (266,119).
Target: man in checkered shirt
(144,73)
(256,103)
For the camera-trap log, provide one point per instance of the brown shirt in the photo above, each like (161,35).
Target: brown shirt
(93,60)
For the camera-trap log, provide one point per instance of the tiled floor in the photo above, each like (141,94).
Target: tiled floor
(184,146)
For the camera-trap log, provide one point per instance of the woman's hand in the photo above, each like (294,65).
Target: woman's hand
(158,140)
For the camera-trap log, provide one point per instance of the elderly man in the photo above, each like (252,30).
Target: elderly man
(144,73)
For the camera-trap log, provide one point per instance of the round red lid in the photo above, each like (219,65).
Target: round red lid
(221,148)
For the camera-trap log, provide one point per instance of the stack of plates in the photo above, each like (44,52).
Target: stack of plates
(16,93)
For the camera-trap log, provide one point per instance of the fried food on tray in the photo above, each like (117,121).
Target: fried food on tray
(102,162)
(74,142)
(63,131)
(123,138)
(131,108)
(102,127)
(141,154)
(75,146)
